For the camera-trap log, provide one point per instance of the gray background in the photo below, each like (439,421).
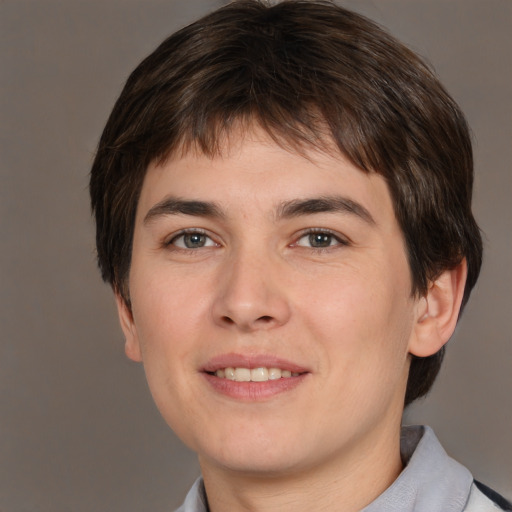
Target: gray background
(78,430)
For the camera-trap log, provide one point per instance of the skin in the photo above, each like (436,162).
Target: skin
(256,284)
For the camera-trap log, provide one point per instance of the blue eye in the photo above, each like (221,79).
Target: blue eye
(192,240)
(319,240)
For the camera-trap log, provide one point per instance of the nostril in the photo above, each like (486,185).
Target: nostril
(228,320)
(265,318)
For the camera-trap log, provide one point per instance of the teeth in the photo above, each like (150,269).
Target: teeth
(274,373)
(259,374)
(254,374)
(242,374)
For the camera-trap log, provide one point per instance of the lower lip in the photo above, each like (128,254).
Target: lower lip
(254,391)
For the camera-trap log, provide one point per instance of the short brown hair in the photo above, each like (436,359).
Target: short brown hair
(309,73)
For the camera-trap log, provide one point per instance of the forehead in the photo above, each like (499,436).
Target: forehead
(251,168)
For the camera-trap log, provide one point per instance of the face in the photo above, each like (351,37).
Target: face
(271,306)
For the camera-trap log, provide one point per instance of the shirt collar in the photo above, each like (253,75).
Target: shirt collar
(431,480)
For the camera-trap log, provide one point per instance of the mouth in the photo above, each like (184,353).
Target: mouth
(261,374)
(252,377)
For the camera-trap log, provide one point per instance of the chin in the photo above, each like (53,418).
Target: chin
(255,464)
(251,450)
(267,456)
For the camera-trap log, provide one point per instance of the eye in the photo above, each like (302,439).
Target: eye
(319,240)
(192,240)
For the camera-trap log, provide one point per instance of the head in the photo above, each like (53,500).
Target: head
(310,75)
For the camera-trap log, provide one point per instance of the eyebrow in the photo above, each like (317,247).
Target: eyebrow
(288,209)
(177,206)
(324,204)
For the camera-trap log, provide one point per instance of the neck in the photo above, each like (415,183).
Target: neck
(348,481)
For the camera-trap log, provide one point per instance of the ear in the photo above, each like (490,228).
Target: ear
(132,345)
(438,311)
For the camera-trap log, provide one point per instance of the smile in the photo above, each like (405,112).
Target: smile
(254,374)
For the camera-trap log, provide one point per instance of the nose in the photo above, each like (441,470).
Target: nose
(251,295)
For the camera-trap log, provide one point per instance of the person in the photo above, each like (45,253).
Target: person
(282,196)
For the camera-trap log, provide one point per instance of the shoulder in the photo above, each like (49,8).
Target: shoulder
(484,499)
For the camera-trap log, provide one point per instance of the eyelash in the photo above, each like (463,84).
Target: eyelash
(341,241)
(181,234)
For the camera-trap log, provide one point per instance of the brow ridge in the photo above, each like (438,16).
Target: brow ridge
(324,204)
(287,209)
(179,206)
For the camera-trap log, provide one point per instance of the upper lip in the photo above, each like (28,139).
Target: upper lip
(234,360)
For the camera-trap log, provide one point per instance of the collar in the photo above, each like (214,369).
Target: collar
(431,480)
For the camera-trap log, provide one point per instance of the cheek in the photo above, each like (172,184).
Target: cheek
(167,323)
(363,320)
(166,313)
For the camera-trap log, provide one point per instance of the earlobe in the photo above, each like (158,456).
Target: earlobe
(438,311)
(132,345)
